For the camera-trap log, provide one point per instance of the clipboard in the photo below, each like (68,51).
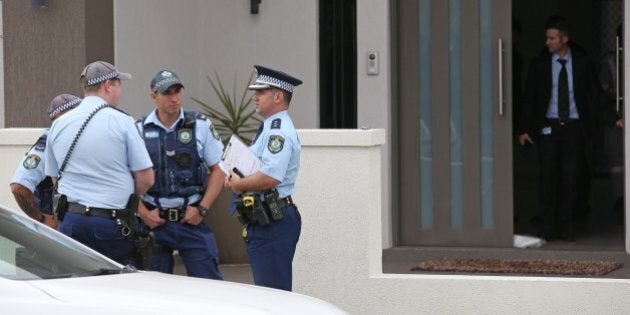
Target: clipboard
(237,155)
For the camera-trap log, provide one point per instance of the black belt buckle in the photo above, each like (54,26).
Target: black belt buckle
(173,214)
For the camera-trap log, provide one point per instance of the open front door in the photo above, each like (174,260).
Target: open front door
(454,121)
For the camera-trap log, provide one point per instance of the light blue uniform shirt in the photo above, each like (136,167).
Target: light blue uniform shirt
(99,172)
(30,172)
(552,110)
(209,146)
(278,147)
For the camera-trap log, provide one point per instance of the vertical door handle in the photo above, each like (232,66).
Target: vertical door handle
(500,59)
(618,98)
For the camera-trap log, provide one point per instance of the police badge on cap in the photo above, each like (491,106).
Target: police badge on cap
(163,80)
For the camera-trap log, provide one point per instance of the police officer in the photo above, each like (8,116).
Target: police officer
(185,150)
(33,191)
(271,246)
(97,159)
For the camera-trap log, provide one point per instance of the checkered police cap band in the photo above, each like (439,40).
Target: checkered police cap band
(101,71)
(265,79)
(62,103)
(102,78)
(268,77)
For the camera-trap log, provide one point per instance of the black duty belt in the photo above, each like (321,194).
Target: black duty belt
(172,214)
(286,201)
(93,211)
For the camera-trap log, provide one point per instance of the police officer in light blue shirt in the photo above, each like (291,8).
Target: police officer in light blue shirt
(33,191)
(98,159)
(185,150)
(271,246)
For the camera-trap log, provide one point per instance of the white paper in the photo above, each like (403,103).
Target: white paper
(237,155)
(526,241)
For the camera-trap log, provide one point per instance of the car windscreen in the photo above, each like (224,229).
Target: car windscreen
(29,250)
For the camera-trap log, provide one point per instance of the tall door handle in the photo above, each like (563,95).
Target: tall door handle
(500,59)
(618,98)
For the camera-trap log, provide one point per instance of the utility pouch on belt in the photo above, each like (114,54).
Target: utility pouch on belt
(60,206)
(251,210)
(271,199)
(128,222)
(144,244)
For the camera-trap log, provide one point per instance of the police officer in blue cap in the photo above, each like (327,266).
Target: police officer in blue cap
(33,191)
(99,162)
(271,243)
(185,150)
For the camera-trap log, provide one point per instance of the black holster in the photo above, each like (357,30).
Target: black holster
(60,206)
(143,238)
(144,245)
(251,210)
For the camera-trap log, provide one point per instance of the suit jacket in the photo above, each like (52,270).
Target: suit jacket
(538,92)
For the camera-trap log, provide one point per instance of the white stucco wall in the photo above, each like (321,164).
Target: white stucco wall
(339,256)
(374,97)
(195,38)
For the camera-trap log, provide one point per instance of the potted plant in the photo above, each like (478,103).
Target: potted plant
(238,119)
(228,118)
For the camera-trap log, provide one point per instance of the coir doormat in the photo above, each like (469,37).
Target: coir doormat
(542,267)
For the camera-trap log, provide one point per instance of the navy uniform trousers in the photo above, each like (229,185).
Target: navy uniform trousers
(196,246)
(271,249)
(100,234)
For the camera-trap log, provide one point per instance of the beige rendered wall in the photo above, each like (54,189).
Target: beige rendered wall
(195,38)
(339,254)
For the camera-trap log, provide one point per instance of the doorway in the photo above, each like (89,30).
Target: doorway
(453,127)
(599,212)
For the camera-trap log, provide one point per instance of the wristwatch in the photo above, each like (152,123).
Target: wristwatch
(203,211)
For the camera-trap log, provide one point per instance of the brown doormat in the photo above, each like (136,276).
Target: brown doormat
(543,267)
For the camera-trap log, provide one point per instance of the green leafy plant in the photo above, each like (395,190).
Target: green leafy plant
(235,118)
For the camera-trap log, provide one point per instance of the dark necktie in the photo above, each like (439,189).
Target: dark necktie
(260,129)
(563,92)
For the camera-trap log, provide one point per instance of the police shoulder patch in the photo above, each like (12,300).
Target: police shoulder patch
(276,143)
(275,124)
(31,161)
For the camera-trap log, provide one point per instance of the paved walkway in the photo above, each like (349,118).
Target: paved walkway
(234,273)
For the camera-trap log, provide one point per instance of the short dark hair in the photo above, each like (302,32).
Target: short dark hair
(559,23)
(287,95)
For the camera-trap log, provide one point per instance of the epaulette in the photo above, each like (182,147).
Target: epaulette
(201,116)
(275,124)
(40,145)
(189,118)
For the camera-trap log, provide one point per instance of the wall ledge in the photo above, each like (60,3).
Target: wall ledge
(342,137)
(19,136)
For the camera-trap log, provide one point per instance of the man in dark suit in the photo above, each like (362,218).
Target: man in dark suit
(557,114)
